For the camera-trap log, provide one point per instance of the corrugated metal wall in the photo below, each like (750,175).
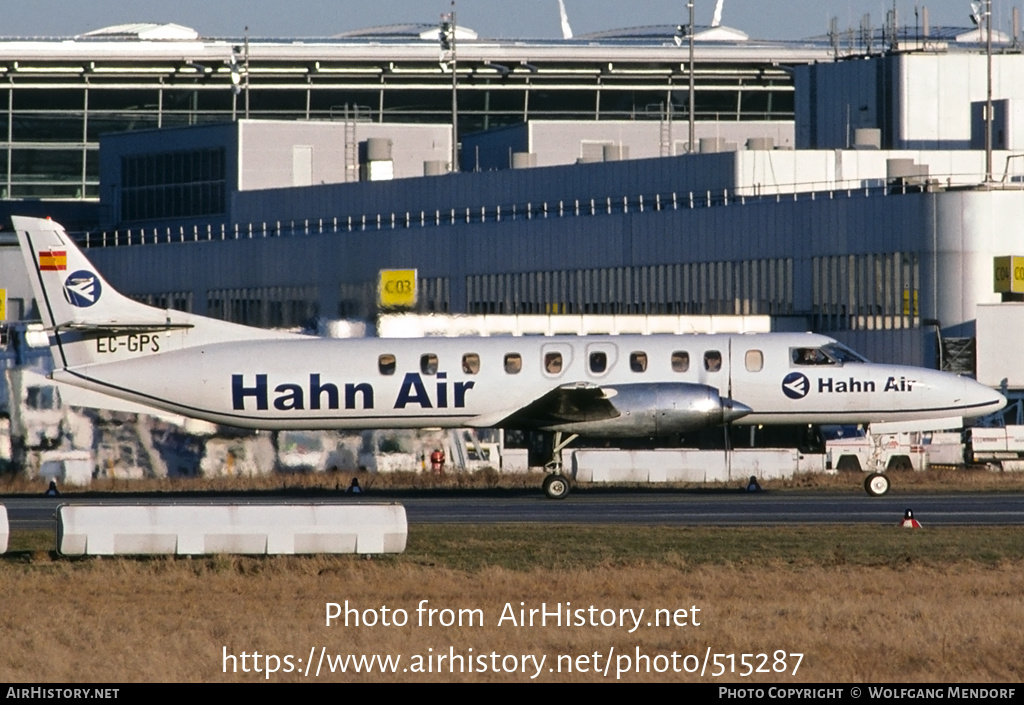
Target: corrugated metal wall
(752,232)
(489,189)
(910,346)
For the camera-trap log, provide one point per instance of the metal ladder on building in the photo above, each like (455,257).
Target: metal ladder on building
(666,131)
(351,146)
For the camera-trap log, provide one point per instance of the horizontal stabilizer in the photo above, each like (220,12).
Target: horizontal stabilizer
(120,327)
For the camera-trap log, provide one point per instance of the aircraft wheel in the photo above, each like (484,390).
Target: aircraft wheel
(877,484)
(556,486)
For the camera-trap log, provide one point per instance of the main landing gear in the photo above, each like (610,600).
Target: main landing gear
(556,484)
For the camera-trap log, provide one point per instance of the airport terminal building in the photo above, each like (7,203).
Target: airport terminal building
(59,95)
(269,182)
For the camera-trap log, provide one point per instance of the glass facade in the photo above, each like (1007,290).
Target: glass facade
(179,184)
(59,97)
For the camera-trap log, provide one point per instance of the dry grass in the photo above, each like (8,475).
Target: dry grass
(936,479)
(861,603)
(278,482)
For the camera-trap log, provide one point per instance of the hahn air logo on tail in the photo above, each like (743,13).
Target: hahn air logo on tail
(82,288)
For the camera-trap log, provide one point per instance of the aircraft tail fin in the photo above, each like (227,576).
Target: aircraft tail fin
(91,322)
(69,291)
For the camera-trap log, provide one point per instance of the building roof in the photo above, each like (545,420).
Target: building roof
(668,33)
(421,30)
(143,31)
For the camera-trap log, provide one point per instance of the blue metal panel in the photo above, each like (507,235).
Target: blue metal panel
(786,235)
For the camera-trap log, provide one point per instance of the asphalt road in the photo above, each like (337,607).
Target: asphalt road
(656,507)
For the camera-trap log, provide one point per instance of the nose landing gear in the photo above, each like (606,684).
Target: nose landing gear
(876,484)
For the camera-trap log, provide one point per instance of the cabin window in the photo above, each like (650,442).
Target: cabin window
(712,361)
(754,360)
(598,362)
(386,364)
(428,364)
(470,363)
(680,361)
(513,363)
(638,361)
(553,363)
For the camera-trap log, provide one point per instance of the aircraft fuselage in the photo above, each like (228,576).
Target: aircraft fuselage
(313,383)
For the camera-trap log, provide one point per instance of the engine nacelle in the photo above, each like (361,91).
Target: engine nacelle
(658,410)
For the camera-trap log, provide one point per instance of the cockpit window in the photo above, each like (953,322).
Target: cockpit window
(810,356)
(840,353)
(830,354)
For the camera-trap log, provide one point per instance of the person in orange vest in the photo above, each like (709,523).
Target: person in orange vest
(909,522)
(437,462)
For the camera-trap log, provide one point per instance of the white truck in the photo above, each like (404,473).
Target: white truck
(1001,447)
(853,448)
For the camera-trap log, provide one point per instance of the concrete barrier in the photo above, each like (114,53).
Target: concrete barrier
(194,529)
(5,529)
(684,465)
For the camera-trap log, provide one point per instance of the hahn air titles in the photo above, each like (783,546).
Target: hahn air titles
(318,394)
(829,386)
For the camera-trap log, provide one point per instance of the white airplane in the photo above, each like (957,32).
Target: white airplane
(609,386)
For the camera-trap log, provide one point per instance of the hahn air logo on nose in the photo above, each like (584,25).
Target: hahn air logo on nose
(796,385)
(82,288)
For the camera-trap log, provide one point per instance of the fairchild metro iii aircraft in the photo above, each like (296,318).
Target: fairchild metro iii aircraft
(609,386)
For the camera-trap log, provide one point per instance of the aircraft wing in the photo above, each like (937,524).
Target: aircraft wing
(622,410)
(569,403)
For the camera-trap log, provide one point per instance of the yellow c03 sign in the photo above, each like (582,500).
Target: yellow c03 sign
(397,288)
(1008,274)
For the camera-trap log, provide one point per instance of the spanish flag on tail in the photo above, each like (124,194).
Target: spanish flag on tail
(53,260)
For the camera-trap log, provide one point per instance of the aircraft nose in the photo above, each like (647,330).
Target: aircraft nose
(732,410)
(996,401)
(980,400)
